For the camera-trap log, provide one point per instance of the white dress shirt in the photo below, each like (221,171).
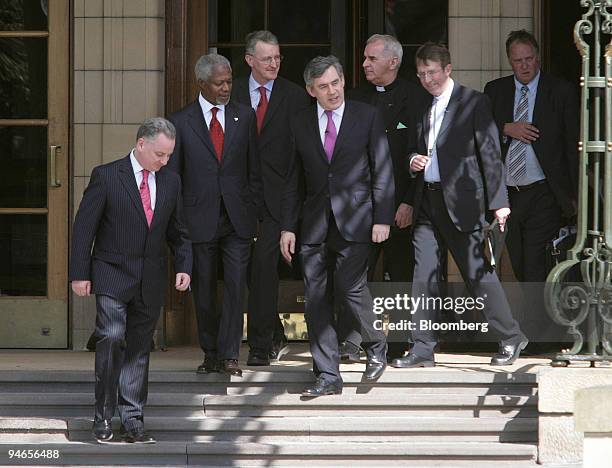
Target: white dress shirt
(438,109)
(207,111)
(336,116)
(137,168)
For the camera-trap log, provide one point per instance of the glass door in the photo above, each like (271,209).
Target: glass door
(34,97)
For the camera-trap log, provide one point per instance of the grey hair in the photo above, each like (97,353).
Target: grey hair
(206,64)
(319,65)
(254,37)
(392,45)
(153,126)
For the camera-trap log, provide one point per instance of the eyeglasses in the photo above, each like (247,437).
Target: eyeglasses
(269,60)
(428,74)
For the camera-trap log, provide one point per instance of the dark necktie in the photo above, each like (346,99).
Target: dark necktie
(145,196)
(216,133)
(330,135)
(262,107)
(517,153)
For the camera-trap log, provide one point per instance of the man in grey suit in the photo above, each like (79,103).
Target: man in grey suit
(459,177)
(129,213)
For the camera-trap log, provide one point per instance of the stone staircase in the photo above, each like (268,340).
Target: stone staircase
(427,417)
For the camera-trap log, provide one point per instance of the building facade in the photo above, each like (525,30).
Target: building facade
(77,77)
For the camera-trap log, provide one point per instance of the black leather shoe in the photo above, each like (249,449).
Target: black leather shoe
(102,430)
(374,369)
(396,351)
(258,358)
(279,349)
(322,387)
(210,364)
(508,353)
(412,360)
(349,352)
(230,366)
(136,436)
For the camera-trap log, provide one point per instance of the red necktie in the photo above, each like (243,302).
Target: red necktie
(261,108)
(216,133)
(145,196)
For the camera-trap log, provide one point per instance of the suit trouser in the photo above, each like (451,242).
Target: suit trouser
(124,332)
(264,325)
(434,231)
(220,332)
(535,220)
(344,283)
(398,261)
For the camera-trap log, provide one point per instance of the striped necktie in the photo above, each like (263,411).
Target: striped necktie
(517,153)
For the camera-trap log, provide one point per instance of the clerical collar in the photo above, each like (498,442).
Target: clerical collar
(389,87)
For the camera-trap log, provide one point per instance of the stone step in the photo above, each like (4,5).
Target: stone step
(287,454)
(321,429)
(281,374)
(236,388)
(365,404)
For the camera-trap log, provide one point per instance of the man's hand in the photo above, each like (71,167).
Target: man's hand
(287,245)
(418,162)
(380,233)
(81,288)
(403,215)
(522,131)
(182,281)
(502,215)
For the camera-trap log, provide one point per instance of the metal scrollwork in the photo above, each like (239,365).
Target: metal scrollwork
(578,291)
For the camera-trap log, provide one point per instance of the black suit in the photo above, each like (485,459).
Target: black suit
(472,182)
(128,272)
(537,212)
(286,98)
(342,199)
(222,200)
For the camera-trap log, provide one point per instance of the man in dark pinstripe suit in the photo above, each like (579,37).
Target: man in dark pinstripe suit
(129,212)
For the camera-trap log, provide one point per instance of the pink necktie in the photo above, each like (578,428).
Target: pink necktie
(330,136)
(145,196)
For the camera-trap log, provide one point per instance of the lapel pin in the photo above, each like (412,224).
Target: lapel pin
(235,119)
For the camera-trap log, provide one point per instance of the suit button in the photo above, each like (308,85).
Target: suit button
(329,176)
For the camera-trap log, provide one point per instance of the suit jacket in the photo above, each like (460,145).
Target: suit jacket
(472,174)
(206,181)
(398,105)
(274,139)
(357,185)
(128,258)
(556,116)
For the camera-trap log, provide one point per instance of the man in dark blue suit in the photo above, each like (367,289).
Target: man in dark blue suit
(275,100)
(341,154)
(217,158)
(129,212)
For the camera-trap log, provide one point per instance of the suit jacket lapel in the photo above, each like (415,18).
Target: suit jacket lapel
(449,114)
(276,98)
(541,98)
(313,124)
(348,121)
(198,124)
(126,176)
(425,124)
(507,101)
(160,195)
(231,122)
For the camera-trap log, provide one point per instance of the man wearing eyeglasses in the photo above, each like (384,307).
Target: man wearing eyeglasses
(274,100)
(459,177)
